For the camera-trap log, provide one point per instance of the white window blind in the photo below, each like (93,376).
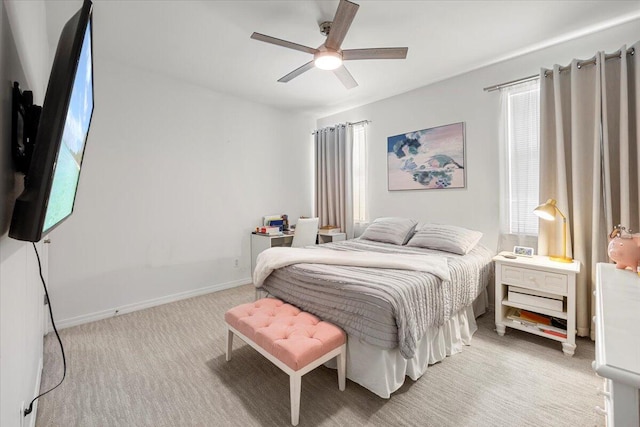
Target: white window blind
(359,173)
(521,122)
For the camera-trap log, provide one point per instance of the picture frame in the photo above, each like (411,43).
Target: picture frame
(427,159)
(523,251)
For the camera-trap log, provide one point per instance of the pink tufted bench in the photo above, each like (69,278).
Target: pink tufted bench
(295,341)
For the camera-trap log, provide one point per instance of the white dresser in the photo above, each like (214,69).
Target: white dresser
(617,322)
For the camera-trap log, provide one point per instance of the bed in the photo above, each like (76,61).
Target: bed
(399,319)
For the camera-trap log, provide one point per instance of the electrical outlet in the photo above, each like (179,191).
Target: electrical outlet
(22,417)
(236,263)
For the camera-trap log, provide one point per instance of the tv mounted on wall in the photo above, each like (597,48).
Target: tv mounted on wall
(51,149)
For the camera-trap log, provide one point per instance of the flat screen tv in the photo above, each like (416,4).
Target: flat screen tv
(53,172)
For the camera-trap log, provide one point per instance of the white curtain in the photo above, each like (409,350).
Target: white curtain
(334,177)
(589,160)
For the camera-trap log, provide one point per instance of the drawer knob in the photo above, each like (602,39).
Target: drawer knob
(594,319)
(604,393)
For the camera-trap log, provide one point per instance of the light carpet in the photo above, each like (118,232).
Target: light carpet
(165,366)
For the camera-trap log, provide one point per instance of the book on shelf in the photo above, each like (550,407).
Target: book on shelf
(515,315)
(554,333)
(535,317)
(548,328)
(536,321)
(559,323)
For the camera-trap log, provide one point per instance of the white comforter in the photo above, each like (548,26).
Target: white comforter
(278,257)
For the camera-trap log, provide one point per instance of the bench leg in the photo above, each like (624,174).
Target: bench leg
(229,343)
(342,368)
(294,388)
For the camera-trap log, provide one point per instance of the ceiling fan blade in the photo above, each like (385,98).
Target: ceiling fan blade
(283,43)
(345,77)
(341,23)
(295,73)
(375,53)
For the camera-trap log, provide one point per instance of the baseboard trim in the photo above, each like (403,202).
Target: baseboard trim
(129,308)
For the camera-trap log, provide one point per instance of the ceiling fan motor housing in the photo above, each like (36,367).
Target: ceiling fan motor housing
(325,27)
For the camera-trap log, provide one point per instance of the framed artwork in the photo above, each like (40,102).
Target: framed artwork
(427,159)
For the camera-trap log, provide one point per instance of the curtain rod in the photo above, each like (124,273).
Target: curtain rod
(357,123)
(630,51)
(347,123)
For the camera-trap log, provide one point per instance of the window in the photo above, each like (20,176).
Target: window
(520,158)
(359,173)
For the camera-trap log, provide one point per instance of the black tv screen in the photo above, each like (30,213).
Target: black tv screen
(54,171)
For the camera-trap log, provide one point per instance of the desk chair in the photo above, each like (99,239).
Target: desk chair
(306,232)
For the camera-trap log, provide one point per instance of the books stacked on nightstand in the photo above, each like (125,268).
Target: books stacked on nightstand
(329,229)
(547,324)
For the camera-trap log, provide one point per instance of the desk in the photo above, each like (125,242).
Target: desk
(261,242)
(331,237)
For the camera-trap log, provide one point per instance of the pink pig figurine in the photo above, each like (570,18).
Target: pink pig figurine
(624,249)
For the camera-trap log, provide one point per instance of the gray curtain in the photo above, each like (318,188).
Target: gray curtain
(333,177)
(589,161)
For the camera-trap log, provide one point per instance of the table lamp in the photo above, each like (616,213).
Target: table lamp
(548,211)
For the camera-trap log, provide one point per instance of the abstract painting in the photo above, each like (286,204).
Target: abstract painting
(427,159)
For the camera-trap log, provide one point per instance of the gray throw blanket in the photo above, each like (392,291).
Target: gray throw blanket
(384,307)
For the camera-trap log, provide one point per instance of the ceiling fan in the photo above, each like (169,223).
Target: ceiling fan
(329,56)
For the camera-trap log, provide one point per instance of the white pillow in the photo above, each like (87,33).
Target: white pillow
(448,238)
(390,230)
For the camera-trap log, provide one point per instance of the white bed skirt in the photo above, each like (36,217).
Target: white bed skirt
(383,371)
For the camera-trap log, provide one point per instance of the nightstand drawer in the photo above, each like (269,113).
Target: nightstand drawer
(534,279)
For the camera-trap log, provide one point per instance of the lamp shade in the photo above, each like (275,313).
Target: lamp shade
(547,210)
(327,60)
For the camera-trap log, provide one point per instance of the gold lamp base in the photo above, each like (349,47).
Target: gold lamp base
(557,258)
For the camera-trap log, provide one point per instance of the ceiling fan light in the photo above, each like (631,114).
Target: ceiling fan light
(327,60)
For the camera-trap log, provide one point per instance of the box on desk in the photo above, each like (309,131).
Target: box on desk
(271,231)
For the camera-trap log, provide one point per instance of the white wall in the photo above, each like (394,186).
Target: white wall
(174,179)
(27,20)
(21,301)
(461,99)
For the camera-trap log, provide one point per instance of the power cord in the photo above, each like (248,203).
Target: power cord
(53,323)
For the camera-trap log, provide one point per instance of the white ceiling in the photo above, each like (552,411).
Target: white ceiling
(207,43)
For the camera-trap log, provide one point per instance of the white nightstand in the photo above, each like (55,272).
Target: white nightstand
(540,286)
